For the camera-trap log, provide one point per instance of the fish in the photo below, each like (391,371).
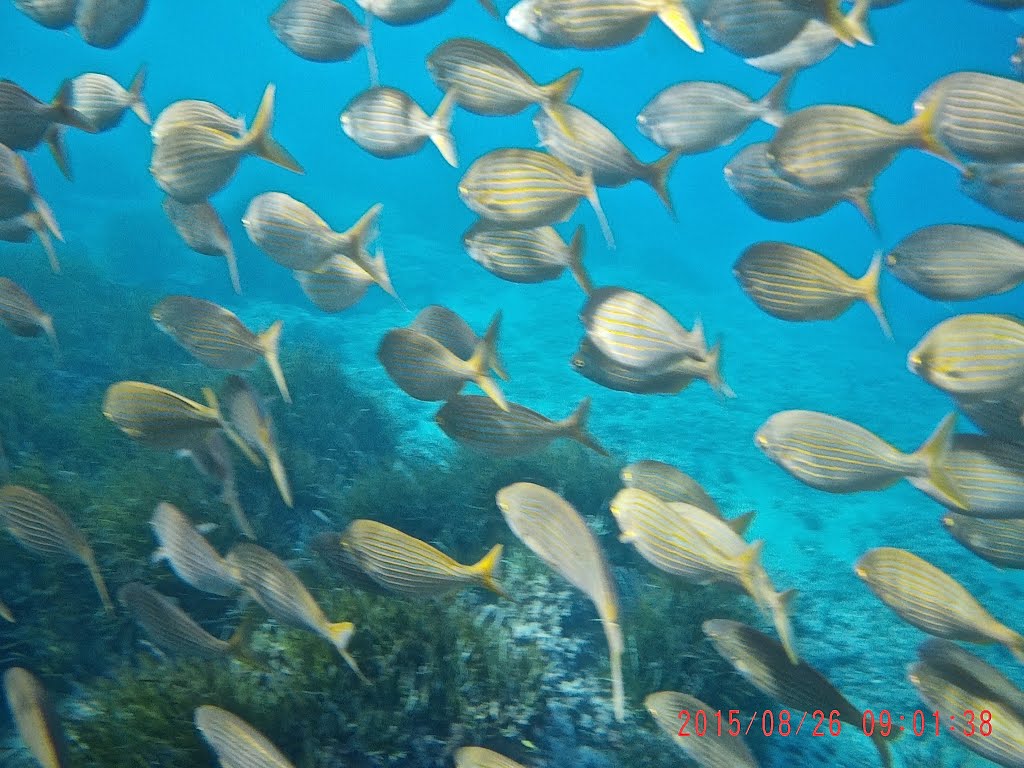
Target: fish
(998,417)
(25,121)
(798,284)
(481,757)
(988,473)
(216,337)
(5,613)
(814,43)
(387,123)
(188,554)
(52,14)
(201,228)
(838,456)
(521,188)
(713,750)
(697,546)
(977,116)
(322,31)
(554,531)
(693,117)
(426,369)
(282,594)
(668,484)
(169,628)
(194,112)
(533,255)
(35,718)
(597,24)
(236,743)
(634,331)
(400,13)
(763,662)
(253,423)
(213,460)
(752,28)
(931,600)
(478,422)
(955,663)
(487,81)
(22,316)
(102,101)
(962,699)
(978,356)
(1000,542)
(22,227)
(42,527)
(401,563)
(105,23)
(998,186)
(18,193)
(752,176)
(957,262)
(193,161)
(588,146)
(336,285)
(835,148)
(446,327)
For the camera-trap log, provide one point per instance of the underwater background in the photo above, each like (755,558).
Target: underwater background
(528,677)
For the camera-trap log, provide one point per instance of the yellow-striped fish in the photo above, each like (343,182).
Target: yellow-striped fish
(932,600)
(752,176)
(22,316)
(999,186)
(20,229)
(52,14)
(979,356)
(35,718)
(525,188)
(533,255)
(236,743)
(194,112)
(104,24)
(957,262)
(964,704)
(253,423)
(216,337)
(709,750)
(815,42)
(188,554)
(1001,542)
(201,228)
(555,532)
(481,757)
(634,331)
(763,662)
(487,81)
(838,456)
(213,460)
(102,101)
(192,161)
(404,564)
(954,662)
(988,473)
(798,284)
(25,121)
(327,546)
(445,326)
(426,369)
(5,613)
(755,27)
(42,527)
(337,284)
(283,595)
(480,423)
(18,193)
(404,12)
(322,31)
(668,484)
(597,24)
(387,123)
(999,417)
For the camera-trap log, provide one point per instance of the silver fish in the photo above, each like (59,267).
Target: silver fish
(999,186)
(337,284)
(20,229)
(188,554)
(193,112)
(526,255)
(250,418)
(35,718)
(236,743)
(399,13)
(322,31)
(23,317)
(102,101)
(754,27)
(25,121)
(18,194)
(813,44)
(53,14)
(200,226)
(387,123)
(105,23)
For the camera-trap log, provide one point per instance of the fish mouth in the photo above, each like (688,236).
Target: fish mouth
(761,442)
(914,362)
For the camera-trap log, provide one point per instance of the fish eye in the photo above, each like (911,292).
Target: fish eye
(576,362)
(891,259)
(760,441)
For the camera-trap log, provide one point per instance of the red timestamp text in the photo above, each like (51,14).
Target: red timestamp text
(821,723)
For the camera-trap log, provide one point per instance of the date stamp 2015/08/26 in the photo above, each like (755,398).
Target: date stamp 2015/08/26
(823,723)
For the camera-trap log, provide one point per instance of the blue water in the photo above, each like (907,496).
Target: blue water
(225,52)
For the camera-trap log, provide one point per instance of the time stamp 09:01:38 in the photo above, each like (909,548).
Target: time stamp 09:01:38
(783,722)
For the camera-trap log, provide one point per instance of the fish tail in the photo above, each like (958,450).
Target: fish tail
(378,270)
(5,614)
(488,570)
(934,452)
(882,745)
(440,128)
(364,231)
(773,105)
(135,103)
(371,52)
(697,334)
(101,585)
(38,225)
(576,248)
(482,359)
(55,141)
(741,523)
(857,20)
(869,287)
(849,30)
(277,471)
(42,208)
(238,514)
(860,198)
(657,173)
(63,113)
(269,342)
(259,141)
(575,427)
(558,92)
(590,190)
(491,8)
(676,16)
(714,371)
(781,612)
(239,645)
(340,635)
(232,260)
(234,437)
(921,128)
(51,333)
(1015,645)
